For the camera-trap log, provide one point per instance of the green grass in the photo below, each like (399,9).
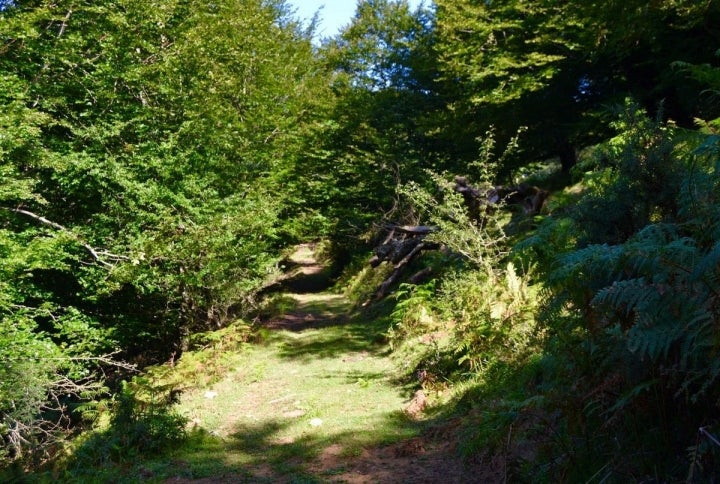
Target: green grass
(266,405)
(278,405)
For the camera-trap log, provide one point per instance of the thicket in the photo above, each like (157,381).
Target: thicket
(630,277)
(585,348)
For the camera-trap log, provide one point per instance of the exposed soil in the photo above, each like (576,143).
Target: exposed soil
(304,275)
(312,311)
(417,460)
(413,461)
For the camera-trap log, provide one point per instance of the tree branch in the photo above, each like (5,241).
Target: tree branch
(64,23)
(93,252)
(385,286)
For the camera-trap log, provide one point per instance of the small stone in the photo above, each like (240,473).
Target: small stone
(210,394)
(316,422)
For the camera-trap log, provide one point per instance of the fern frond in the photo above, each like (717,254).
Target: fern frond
(586,261)
(710,262)
(630,395)
(698,338)
(653,342)
(710,377)
(659,233)
(682,251)
(624,296)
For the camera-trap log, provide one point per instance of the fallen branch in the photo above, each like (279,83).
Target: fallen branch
(402,244)
(398,269)
(412,229)
(530,198)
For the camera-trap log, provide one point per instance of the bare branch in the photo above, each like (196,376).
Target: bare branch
(385,286)
(102,359)
(99,256)
(63,26)
(413,229)
(37,217)
(710,436)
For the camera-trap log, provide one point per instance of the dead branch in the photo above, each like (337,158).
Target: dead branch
(421,276)
(65,21)
(53,420)
(402,244)
(529,197)
(99,256)
(385,286)
(411,229)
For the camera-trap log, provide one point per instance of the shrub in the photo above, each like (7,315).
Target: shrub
(143,422)
(632,307)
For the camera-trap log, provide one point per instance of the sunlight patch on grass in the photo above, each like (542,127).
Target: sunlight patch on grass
(296,406)
(281,404)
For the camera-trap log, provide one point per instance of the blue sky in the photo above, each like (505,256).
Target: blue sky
(334,15)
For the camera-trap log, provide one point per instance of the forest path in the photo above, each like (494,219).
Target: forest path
(314,402)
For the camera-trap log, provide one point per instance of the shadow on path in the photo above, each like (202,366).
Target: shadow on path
(318,402)
(314,401)
(339,458)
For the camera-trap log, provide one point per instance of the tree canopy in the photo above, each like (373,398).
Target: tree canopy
(142,145)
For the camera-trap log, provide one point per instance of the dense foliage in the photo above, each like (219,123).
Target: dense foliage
(590,339)
(142,147)
(631,280)
(557,67)
(157,156)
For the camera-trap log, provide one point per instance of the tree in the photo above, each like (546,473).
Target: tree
(373,137)
(141,146)
(555,68)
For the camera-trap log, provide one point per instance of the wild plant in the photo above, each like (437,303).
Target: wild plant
(143,422)
(633,301)
(481,310)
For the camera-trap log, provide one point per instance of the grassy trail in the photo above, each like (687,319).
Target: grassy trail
(315,401)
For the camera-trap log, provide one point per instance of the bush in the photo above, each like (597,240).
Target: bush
(480,310)
(143,422)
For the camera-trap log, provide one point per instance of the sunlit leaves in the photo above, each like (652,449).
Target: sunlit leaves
(143,148)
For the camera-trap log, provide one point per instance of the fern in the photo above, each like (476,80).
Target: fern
(624,296)
(707,266)
(593,259)
(632,290)
(629,396)
(653,342)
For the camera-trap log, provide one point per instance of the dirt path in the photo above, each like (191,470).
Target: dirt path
(315,402)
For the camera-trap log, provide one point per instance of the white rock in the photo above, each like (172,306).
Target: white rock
(210,394)
(316,422)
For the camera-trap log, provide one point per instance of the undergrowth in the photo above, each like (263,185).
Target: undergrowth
(586,349)
(141,420)
(470,334)
(140,426)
